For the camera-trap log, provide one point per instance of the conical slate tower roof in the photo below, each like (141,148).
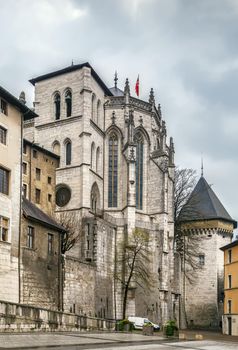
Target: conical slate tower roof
(203,204)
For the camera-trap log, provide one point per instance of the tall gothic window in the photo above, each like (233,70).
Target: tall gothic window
(95,198)
(98,160)
(98,111)
(93,107)
(139,170)
(68,152)
(68,103)
(113,170)
(57,105)
(92,155)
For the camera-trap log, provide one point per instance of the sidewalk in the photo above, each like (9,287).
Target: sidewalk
(209,335)
(63,340)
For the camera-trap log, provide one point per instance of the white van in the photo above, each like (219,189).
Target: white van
(140,321)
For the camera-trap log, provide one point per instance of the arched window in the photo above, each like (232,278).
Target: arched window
(93,111)
(98,160)
(139,169)
(57,105)
(92,155)
(68,103)
(56,147)
(68,152)
(112,170)
(95,198)
(98,111)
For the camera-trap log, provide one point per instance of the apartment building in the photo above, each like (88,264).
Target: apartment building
(230,317)
(12,114)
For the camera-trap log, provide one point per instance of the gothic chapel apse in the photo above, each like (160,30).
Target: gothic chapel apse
(116,174)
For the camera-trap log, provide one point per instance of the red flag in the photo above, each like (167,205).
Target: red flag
(137,86)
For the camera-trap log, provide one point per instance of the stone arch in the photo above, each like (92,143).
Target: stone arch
(95,198)
(56,147)
(116,129)
(68,151)
(143,131)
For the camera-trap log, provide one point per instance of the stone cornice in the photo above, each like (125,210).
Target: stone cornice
(85,133)
(96,127)
(59,122)
(92,171)
(119,101)
(72,166)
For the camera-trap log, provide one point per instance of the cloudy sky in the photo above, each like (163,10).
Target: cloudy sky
(185,49)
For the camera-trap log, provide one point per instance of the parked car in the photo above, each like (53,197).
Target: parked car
(139,322)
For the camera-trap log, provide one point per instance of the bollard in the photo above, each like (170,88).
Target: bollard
(198,336)
(182,336)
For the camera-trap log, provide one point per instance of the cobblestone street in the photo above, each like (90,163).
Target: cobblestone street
(109,341)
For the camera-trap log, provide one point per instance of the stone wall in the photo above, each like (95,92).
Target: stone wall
(24,318)
(202,299)
(79,286)
(40,275)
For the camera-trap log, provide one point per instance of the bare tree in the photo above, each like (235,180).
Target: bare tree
(135,263)
(184,183)
(72,226)
(187,244)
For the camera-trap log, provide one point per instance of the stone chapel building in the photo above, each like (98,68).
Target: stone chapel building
(116,174)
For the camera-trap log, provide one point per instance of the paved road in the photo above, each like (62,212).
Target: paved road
(107,341)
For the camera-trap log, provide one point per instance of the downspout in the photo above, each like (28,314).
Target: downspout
(103,159)
(115,272)
(30,177)
(20,215)
(60,275)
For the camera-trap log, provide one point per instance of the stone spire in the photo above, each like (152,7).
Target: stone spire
(152,97)
(115,80)
(159,110)
(127,87)
(131,126)
(202,166)
(22,97)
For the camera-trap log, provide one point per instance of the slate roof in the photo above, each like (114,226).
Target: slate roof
(203,204)
(116,91)
(32,212)
(27,112)
(230,245)
(72,68)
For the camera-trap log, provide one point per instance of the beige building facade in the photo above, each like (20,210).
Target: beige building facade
(12,113)
(116,174)
(230,316)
